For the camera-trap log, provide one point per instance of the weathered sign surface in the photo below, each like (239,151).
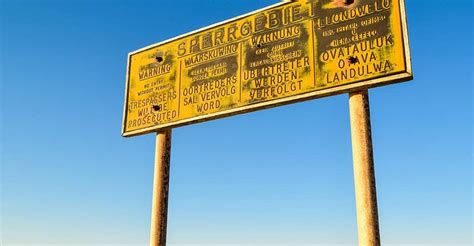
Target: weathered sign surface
(285,53)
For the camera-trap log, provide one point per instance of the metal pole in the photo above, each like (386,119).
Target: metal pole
(159,212)
(364,176)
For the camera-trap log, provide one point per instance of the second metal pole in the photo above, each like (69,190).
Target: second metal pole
(159,211)
(364,175)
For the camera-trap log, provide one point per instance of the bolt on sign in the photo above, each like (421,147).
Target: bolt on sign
(285,53)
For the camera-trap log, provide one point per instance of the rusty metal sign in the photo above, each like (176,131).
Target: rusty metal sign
(285,53)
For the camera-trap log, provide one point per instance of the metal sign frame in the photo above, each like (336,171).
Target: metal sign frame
(365,84)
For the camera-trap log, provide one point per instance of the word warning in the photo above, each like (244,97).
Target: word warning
(286,53)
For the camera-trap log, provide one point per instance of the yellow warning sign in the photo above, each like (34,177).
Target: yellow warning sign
(285,53)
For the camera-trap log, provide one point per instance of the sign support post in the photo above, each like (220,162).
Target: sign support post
(364,175)
(159,212)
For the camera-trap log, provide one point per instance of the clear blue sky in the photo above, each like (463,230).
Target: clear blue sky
(276,176)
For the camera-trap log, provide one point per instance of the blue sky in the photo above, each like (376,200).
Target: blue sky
(276,177)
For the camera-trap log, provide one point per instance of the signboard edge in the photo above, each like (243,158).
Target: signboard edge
(406,40)
(125,114)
